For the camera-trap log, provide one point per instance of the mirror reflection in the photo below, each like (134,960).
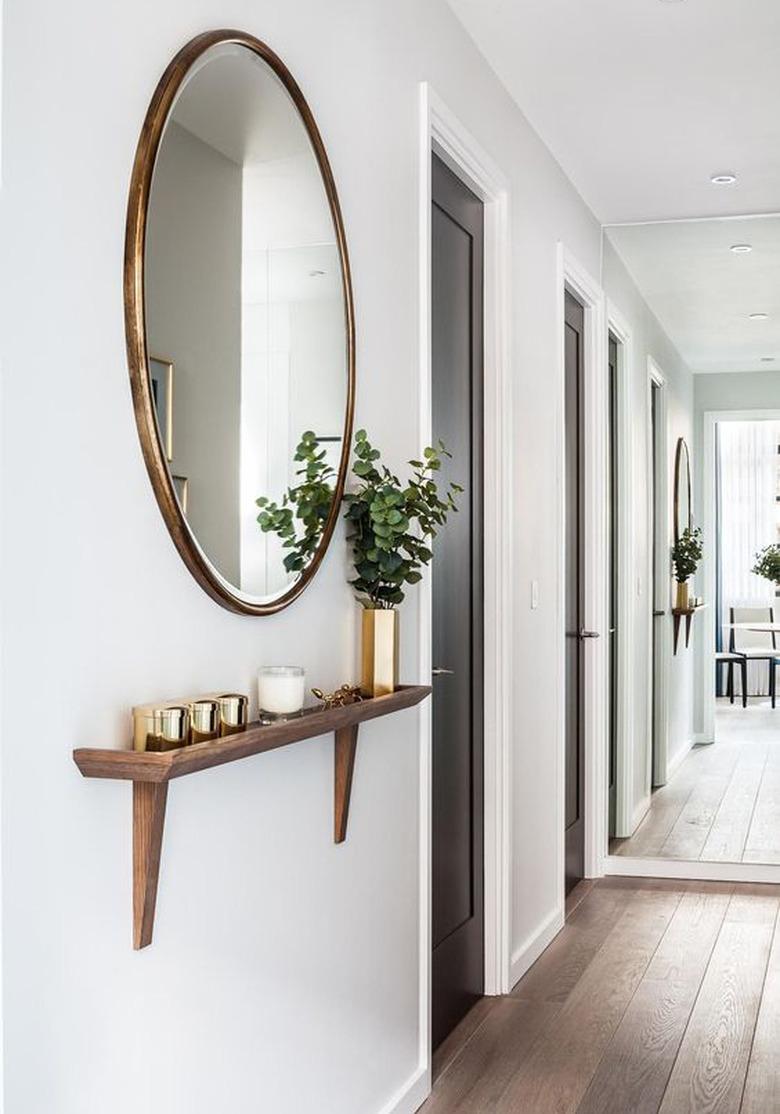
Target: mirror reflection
(700,782)
(244,300)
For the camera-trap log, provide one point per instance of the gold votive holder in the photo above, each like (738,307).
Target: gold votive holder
(160,729)
(204,720)
(233,713)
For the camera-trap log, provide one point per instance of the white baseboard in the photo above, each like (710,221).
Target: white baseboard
(533,946)
(639,813)
(411,1095)
(695,871)
(679,756)
(703,739)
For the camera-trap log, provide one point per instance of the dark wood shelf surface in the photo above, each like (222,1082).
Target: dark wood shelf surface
(150,772)
(145,765)
(686,613)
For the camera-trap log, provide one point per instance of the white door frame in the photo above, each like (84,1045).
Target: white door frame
(573,277)
(660,582)
(626,576)
(708,564)
(442,133)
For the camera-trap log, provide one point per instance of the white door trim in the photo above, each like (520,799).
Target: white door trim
(572,276)
(660,585)
(626,576)
(440,131)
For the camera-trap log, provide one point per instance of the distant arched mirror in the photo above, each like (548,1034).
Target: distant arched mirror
(239,319)
(683,509)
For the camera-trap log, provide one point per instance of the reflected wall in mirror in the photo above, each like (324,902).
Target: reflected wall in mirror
(237,270)
(699,782)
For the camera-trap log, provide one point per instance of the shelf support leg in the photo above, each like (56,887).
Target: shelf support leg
(344,756)
(149,798)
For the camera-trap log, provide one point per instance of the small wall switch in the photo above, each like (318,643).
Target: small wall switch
(534,594)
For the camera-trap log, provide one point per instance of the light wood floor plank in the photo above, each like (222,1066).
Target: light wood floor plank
(763,839)
(709,1074)
(728,834)
(634,1071)
(558,970)
(556,1074)
(689,834)
(762,1088)
(473,1083)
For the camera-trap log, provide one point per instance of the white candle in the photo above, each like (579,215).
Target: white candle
(280,689)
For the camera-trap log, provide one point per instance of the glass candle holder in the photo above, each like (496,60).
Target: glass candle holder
(280,691)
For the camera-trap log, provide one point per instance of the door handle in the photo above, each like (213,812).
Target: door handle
(437,672)
(588,634)
(658,614)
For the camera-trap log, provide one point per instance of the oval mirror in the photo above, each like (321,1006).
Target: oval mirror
(239,321)
(683,510)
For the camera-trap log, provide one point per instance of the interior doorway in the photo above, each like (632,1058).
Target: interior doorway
(574,681)
(457,287)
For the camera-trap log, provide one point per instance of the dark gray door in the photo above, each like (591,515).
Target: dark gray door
(458,882)
(574,563)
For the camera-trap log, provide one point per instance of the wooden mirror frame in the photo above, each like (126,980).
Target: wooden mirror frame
(682,448)
(135,319)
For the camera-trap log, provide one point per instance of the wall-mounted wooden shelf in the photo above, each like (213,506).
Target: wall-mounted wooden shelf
(688,613)
(151,771)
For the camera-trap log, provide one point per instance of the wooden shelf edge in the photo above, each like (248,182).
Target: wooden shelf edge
(132,765)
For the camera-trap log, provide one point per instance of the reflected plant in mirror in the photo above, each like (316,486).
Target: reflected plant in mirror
(308,503)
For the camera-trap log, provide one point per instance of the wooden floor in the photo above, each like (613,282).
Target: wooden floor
(723,802)
(656,996)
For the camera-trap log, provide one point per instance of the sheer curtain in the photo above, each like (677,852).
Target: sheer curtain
(748,509)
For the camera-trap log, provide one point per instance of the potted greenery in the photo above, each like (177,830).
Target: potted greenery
(768,564)
(686,555)
(391,528)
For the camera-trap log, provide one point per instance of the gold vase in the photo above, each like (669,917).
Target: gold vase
(379,675)
(682,602)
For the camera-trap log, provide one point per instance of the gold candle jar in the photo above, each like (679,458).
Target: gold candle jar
(160,729)
(233,713)
(204,716)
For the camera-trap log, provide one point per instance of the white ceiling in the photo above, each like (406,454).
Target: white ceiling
(641,101)
(703,294)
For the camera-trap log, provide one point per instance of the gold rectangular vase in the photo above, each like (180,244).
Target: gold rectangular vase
(380,652)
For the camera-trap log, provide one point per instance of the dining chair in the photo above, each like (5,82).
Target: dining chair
(756,645)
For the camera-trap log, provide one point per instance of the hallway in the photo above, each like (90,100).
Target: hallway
(723,802)
(656,996)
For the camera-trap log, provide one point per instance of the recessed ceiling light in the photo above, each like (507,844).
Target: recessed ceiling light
(741,249)
(759,316)
(723,179)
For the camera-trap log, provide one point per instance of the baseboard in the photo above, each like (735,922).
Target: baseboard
(411,1095)
(533,946)
(693,871)
(680,755)
(701,739)
(639,813)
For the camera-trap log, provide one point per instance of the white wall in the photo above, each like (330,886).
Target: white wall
(649,340)
(284,972)
(193,304)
